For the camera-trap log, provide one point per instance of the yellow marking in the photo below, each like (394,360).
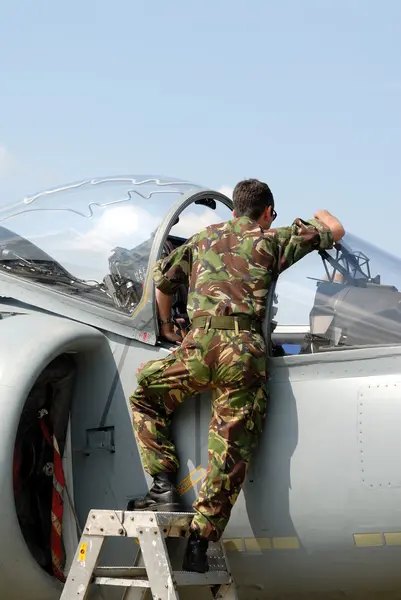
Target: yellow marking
(82,552)
(393,539)
(285,543)
(368,539)
(191,480)
(233,545)
(258,544)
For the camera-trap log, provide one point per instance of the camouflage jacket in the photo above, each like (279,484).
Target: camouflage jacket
(230,266)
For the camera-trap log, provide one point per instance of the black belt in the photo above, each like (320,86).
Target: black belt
(237,324)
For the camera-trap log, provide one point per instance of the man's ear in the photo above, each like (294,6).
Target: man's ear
(234,215)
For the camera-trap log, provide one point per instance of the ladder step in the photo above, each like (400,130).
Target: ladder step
(210,578)
(126,523)
(137,577)
(120,572)
(140,583)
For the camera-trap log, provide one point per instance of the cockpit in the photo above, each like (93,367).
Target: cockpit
(95,243)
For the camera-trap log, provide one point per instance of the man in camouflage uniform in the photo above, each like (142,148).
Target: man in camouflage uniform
(229,268)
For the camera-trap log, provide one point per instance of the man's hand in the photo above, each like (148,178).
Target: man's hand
(167,332)
(332,223)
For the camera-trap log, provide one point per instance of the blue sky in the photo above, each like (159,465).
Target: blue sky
(303,94)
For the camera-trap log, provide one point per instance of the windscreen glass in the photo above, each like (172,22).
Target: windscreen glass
(90,239)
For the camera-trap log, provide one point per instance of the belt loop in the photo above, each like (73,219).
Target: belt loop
(207,325)
(236,326)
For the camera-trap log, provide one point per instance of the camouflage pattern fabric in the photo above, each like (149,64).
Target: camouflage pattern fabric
(229,268)
(233,367)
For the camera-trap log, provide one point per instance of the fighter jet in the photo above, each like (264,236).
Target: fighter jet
(320,512)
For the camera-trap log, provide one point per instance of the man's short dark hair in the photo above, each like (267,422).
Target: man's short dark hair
(251,197)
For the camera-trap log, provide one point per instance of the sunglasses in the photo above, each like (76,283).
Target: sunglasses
(274,214)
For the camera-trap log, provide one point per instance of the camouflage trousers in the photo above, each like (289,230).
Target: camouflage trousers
(232,366)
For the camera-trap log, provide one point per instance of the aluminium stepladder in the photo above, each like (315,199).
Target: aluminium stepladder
(150,529)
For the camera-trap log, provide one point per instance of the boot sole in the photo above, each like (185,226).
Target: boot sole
(160,508)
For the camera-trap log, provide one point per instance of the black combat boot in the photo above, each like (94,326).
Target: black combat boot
(195,558)
(162,496)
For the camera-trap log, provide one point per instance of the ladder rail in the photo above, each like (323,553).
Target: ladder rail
(157,561)
(84,563)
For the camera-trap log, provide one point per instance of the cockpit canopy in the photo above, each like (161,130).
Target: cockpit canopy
(76,235)
(92,240)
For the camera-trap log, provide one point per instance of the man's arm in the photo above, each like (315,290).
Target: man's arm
(303,237)
(168,274)
(164,302)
